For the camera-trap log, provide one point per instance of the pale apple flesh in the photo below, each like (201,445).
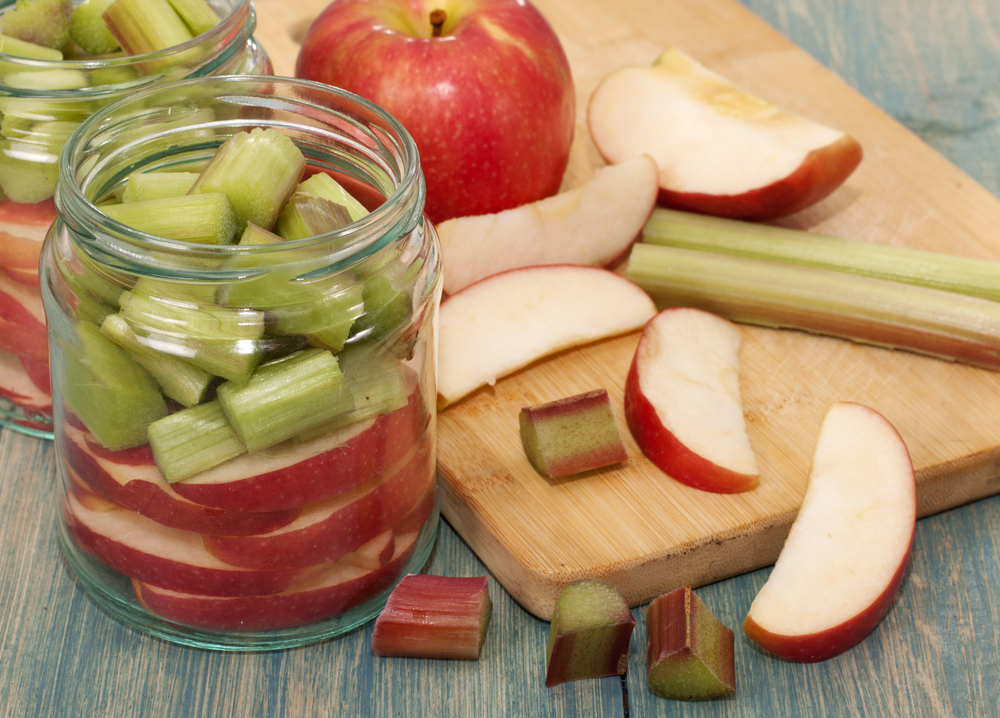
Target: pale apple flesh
(683,403)
(571,435)
(846,554)
(719,150)
(592,224)
(509,320)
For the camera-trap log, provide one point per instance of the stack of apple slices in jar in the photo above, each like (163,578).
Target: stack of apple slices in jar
(251,456)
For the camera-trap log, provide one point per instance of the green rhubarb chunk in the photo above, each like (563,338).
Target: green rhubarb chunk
(325,186)
(179,379)
(258,170)
(224,342)
(198,15)
(88,29)
(158,185)
(689,652)
(142,26)
(590,633)
(306,216)
(323,311)
(285,397)
(42,22)
(193,440)
(376,385)
(199,218)
(571,435)
(387,310)
(27,174)
(108,390)
(30,50)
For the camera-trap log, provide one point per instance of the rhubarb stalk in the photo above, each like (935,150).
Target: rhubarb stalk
(864,309)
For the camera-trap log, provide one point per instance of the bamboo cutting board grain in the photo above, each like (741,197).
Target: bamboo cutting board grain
(632,525)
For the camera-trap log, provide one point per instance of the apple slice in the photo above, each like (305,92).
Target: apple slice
(16,384)
(130,479)
(719,150)
(590,633)
(847,551)
(347,583)
(329,529)
(170,558)
(508,320)
(683,405)
(593,224)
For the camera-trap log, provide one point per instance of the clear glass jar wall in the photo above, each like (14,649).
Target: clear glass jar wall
(304,535)
(42,102)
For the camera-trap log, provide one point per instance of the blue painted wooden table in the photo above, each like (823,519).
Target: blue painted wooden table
(935,67)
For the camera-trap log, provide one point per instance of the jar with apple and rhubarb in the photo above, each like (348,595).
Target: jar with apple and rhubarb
(59,63)
(241,289)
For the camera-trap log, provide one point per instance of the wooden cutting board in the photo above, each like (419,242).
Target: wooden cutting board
(633,525)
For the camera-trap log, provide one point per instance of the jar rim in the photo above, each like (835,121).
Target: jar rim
(399,213)
(233,30)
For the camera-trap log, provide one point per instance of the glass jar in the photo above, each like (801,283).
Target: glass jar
(304,533)
(42,102)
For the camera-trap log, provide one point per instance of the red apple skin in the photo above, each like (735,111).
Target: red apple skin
(671,456)
(821,172)
(327,595)
(815,647)
(493,118)
(170,558)
(25,383)
(129,478)
(330,529)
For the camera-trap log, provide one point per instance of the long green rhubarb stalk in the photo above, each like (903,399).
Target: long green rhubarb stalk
(865,309)
(964,275)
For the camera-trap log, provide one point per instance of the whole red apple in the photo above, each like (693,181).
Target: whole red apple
(487,94)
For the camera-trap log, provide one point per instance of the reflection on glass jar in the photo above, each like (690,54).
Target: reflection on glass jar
(42,101)
(245,431)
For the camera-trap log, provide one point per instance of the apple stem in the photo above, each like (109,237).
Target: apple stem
(437,21)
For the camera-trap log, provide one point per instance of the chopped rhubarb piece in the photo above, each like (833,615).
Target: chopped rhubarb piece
(88,29)
(43,22)
(307,216)
(434,617)
(142,26)
(198,15)
(590,633)
(22,48)
(158,185)
(689,653)
(201,218)
(192,440)
(323,185)
(258,170)
(570,435)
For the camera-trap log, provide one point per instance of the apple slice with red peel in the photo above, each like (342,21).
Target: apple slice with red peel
(170,558)
(593,224)
(683,404)
(22,320)
(847,551)
(689,652)
(294,473)
(345,584)
(719,150)
(434,617)
(130,479)
(590,633)
(508,320)
(329,529)
(16,384)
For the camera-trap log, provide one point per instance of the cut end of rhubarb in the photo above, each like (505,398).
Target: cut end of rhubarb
(590,633)
(689,652)
(434,617)
(571,435)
